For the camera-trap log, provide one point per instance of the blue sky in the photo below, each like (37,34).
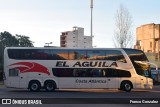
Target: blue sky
(44,20)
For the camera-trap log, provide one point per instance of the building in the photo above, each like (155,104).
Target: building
(75,39)
(148,40)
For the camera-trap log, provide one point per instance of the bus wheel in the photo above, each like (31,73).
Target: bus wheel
(49,86)
(126,86)
(34,86)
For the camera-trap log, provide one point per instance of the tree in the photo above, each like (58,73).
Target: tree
(9,40)
(123,36)
(24,41)
(6,40)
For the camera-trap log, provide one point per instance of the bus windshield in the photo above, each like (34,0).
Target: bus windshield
(139,61)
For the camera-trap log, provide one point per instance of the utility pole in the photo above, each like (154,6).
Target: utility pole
(91,6)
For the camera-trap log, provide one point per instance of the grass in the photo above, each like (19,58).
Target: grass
(1,83)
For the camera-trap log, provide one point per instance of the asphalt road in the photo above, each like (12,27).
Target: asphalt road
(82,97)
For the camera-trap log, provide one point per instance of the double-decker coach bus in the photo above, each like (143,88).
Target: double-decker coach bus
(61,68)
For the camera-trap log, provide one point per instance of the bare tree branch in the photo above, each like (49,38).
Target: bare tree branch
(123,36)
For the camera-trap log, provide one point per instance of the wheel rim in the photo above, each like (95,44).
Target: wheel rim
(50,86)
(34,86)
(127,86)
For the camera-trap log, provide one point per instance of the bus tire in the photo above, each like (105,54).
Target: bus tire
(50,86)
(126,86)
(34,86)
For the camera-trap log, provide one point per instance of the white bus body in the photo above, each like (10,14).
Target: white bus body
(58,68)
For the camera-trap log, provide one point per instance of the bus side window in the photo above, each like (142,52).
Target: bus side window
(75,73)
(103,73)
(96,73)
(115,55)
(13,72)
(55,72)
(96,55)
(111,72)
(59,55)
(77,55)
(80,72)
(123,73)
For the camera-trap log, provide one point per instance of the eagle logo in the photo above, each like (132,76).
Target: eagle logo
(24,67)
